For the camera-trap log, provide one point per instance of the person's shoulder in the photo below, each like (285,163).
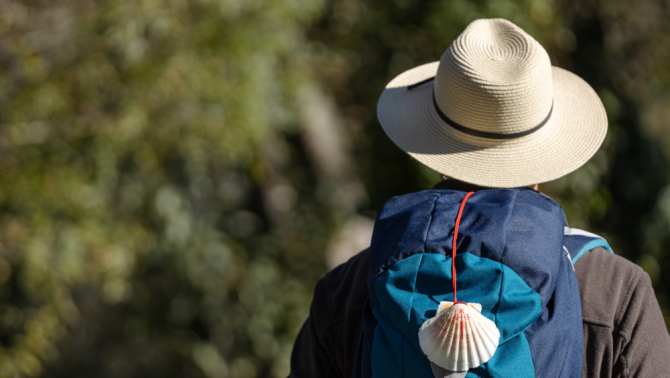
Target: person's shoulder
(607,284)
(347,283)
(356,268)
(341,291)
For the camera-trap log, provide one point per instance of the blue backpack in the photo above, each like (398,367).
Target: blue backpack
(514,257)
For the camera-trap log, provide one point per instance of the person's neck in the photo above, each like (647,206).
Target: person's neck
(454,184)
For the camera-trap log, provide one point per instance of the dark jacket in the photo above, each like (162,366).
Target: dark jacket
(624,331)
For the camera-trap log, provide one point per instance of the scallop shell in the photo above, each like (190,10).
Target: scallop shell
(459,337)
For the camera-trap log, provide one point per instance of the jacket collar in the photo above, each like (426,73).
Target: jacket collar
(458,185)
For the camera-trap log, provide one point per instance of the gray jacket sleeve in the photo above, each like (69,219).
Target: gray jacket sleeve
(624,331)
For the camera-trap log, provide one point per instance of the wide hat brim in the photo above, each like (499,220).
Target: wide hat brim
(576,129)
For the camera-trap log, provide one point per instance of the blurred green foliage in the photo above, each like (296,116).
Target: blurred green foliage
(132,239)
(172,171)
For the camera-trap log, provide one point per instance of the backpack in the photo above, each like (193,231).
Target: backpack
(513,258)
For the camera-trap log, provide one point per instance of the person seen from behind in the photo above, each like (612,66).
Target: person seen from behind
(481,276)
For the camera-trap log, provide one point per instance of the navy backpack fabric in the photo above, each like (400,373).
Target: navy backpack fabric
(514,257)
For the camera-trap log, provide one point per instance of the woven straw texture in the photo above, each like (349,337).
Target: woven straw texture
(494,78)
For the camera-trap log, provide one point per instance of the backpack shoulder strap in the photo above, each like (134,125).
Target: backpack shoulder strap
(578,242)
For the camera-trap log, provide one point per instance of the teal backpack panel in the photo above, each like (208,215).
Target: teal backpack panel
(410,291)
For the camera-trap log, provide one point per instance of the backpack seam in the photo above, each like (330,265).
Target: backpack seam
(502,277)
(511,213)
(416,275)
(430,222)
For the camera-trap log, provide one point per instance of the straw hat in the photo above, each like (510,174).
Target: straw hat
(493,111)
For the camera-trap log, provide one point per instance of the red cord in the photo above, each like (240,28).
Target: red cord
(453,247)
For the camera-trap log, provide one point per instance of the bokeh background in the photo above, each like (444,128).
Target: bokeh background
(175,175)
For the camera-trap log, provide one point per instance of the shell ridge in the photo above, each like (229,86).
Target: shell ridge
(434,339)
(451,333)
(474,348)
(465,340)
(483,349)
(494,334)
(453,338)
(462,339)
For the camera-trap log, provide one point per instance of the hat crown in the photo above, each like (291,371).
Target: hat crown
(495,78)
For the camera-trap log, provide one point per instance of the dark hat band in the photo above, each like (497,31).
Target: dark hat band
(477,133)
